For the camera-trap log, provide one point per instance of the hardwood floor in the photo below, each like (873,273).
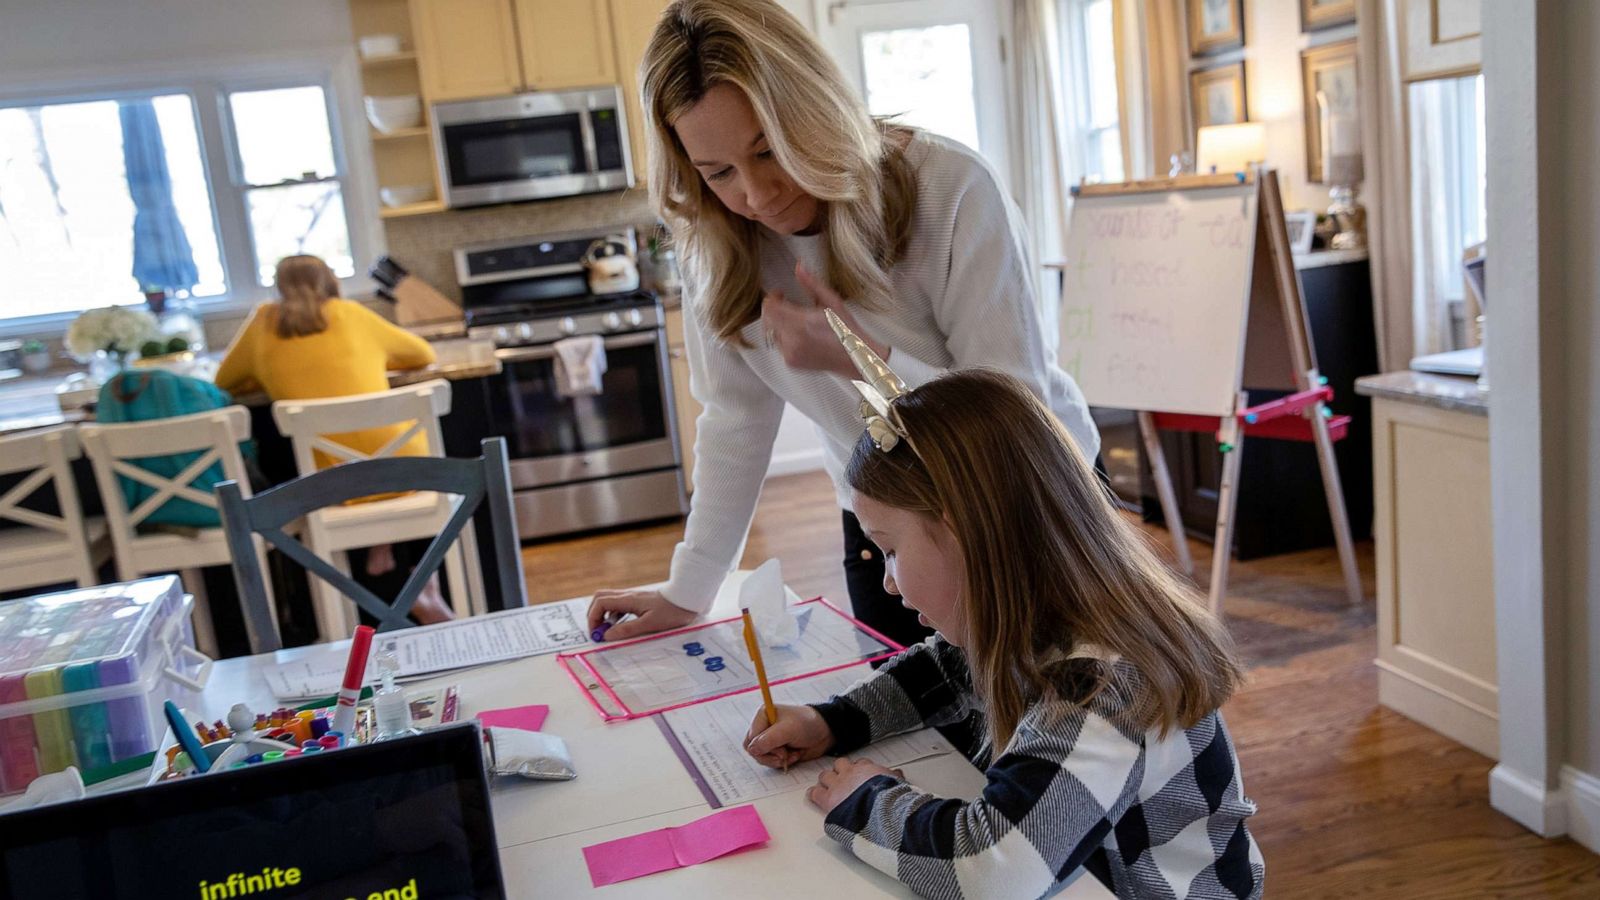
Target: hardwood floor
(1355,800)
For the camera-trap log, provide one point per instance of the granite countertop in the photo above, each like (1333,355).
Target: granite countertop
(1450,392)
(31,402)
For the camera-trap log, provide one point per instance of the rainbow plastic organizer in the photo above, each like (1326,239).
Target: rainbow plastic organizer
(83,674)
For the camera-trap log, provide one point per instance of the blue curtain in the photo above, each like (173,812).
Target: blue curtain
(162,257)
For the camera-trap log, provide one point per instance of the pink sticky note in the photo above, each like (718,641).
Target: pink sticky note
(527,718)
(671,848)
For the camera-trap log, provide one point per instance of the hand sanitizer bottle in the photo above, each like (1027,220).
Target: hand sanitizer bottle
(389,702)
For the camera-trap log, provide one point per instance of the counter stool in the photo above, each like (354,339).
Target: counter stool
(48,549)
(331,532)
(114,451)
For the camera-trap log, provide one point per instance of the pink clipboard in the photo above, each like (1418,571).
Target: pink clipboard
(580,664)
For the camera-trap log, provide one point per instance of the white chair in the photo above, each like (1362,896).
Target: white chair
(215,435)
(330,533)
(51,549)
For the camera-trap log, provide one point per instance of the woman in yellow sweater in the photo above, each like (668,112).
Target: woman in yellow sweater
(312,344)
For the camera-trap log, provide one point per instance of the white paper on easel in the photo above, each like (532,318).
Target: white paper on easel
(767,599)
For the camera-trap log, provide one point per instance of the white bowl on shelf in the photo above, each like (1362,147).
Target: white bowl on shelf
(378,45)
(404,194)
(391,114)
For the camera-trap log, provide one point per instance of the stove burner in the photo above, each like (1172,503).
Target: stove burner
(500,314)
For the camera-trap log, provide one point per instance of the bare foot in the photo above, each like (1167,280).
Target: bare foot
(430,608)
(380,559)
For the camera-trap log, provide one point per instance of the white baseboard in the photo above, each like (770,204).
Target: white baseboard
(807,460)
(1583,806)
(1528,802)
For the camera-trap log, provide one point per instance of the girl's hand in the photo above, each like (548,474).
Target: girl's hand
(800,734)
(839,782)
(652,612)
(802,333)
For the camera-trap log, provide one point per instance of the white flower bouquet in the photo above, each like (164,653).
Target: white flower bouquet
(118,330)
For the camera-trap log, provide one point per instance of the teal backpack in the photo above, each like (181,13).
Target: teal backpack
(159,394)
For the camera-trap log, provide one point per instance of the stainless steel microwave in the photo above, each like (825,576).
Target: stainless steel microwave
(532,146)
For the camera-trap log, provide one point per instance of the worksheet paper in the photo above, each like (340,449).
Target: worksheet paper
(703,663)
(476,641)
(709,739)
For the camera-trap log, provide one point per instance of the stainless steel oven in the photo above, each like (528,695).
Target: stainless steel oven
(532,146)
(585,461)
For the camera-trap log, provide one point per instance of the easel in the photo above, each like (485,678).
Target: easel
(1276,321)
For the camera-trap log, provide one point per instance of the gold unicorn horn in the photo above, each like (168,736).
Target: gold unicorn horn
(879,390)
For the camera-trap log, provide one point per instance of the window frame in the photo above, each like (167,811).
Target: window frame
(208,85)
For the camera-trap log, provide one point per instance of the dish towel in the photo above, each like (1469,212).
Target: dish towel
(580,365)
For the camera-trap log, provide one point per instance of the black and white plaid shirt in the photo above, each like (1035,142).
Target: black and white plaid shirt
(1079,788)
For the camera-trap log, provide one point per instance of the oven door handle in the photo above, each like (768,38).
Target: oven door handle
(548,351)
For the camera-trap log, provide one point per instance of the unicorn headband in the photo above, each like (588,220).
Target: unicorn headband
(878,393)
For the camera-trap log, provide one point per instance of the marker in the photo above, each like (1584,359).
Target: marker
(186,737)
(599,634)
(344,719)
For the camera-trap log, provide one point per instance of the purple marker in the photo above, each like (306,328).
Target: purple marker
(599,634)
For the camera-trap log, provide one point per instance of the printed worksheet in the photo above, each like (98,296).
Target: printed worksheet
(512,634)
(709,739)
(712,661)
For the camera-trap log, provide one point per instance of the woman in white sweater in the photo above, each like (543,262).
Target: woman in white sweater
(787,199)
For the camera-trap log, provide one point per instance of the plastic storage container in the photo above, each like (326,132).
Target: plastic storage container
(83,674)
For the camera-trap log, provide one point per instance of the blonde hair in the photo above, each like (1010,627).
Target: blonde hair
(1050,565)
(819,132)
(304,284)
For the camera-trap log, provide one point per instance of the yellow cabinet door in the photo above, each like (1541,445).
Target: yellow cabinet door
(632,24)
(565,44)
(466,48)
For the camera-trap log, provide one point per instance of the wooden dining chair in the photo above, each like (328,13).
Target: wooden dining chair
(482,481)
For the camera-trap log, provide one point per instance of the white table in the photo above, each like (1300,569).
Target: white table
(628,781)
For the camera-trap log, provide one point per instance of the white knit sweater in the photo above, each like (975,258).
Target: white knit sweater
(963,297)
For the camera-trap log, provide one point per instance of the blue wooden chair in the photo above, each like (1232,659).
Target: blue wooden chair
(485,480)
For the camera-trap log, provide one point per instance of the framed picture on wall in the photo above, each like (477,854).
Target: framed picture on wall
(1332,112)
(1216,95)
(1315,14)
(1216,25)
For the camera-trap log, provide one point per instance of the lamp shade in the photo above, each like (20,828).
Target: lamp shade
(1231,148)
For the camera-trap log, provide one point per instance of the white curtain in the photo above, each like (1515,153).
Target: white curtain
(1387,191)
(1152,61)
(1044,162)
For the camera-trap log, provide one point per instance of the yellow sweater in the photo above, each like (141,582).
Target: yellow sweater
(353,355)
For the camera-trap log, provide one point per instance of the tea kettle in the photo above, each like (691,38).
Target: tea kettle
(611,267)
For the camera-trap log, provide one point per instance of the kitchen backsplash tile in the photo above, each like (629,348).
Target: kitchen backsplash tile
(424,244)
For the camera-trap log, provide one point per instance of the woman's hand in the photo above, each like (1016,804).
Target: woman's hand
(839,782)
(652,612)
(800,734)
(802,333)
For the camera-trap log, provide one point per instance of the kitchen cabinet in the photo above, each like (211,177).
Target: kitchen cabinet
(402,158)
(466,48)
(688,408)
(565,44)
(632,24)
(1443,39)
(1435,555)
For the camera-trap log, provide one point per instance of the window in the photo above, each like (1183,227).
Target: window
(923,76)
(1447,204)
(218,184)
(289,178)
(67,214)
(1092,75)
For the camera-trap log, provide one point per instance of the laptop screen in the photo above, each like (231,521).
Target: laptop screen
(400,819)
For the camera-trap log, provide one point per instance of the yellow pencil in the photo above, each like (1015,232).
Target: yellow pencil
(754,647)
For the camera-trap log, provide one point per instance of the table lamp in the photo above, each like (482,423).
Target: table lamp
(1231,148)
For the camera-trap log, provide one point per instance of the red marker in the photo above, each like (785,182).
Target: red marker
(344,718)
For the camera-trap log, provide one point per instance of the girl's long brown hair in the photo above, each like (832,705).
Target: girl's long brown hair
(1050,566)
(304,284)
(819,131)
